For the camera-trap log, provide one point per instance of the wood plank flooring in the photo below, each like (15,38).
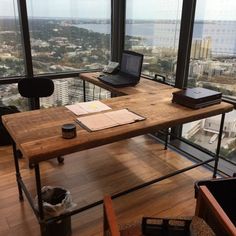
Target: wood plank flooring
(104,170)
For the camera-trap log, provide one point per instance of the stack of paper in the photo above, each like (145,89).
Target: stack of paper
(109,119)
(87,107)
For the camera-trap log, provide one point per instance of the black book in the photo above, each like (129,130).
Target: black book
(197,97)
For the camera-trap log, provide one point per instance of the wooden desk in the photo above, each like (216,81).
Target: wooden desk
(144,86)
(38,133)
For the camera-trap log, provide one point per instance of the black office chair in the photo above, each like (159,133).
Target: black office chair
(37,88)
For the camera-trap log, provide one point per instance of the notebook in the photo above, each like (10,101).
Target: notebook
(130,71)
(110,119)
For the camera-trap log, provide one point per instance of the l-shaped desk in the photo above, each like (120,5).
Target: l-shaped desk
(38,133)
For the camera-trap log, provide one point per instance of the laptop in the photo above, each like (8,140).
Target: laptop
(130,71)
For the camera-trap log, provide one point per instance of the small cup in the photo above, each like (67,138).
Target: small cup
(68,131)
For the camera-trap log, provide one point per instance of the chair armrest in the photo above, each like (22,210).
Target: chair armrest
(208,207)
(110,225)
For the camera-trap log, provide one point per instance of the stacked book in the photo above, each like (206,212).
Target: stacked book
(197,97)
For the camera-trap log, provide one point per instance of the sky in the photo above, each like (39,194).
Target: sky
(136,9)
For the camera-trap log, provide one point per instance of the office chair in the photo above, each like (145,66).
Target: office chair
(110,225)
(37,88)
(193,225)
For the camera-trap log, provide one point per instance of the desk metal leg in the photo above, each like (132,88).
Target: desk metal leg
(39,193)
(18,176)
(40,201)
(218,145)
(166,138)
(84,90)
(113,95)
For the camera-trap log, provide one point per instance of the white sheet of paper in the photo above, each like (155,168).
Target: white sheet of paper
(87,107)
(76,109)
(94,106)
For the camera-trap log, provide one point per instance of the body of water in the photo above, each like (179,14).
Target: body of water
(222,34)
(149,32)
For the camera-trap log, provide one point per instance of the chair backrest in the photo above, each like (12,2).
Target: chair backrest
(110,226)
(36,88)
(5,138)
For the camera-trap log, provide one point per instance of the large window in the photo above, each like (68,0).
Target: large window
(213,66)
(11,57)
(68,35)
(152,28)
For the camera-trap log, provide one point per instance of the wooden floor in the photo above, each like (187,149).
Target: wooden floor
(105,170)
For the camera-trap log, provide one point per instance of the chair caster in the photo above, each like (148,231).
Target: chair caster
(19,154)
(60,159)
(31,165)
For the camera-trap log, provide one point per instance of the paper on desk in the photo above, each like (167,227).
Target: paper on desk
(123,116)
(94,106)
(76,109)
(87,107)
(97,122)
(109,119)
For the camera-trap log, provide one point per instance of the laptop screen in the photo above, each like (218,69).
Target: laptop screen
(131,63)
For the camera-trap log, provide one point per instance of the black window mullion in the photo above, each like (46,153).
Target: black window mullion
(184,50)
(185,41)
(25,37)
(24,25)
(117,29)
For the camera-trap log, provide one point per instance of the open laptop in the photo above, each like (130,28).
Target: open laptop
(130,71)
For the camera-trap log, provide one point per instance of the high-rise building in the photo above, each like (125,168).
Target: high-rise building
(201,48)
(59,97)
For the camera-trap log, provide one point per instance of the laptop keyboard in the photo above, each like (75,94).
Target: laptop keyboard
(118,80)
(123,78)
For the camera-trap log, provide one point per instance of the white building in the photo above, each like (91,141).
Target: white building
(212,124)
(190,129)
(60,97)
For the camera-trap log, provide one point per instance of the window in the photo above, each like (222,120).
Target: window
(70,91)
(212,65)
(9,96)
(11,57)
(152,28)
(69,35)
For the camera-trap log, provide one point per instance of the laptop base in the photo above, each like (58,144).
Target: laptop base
(118,80)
